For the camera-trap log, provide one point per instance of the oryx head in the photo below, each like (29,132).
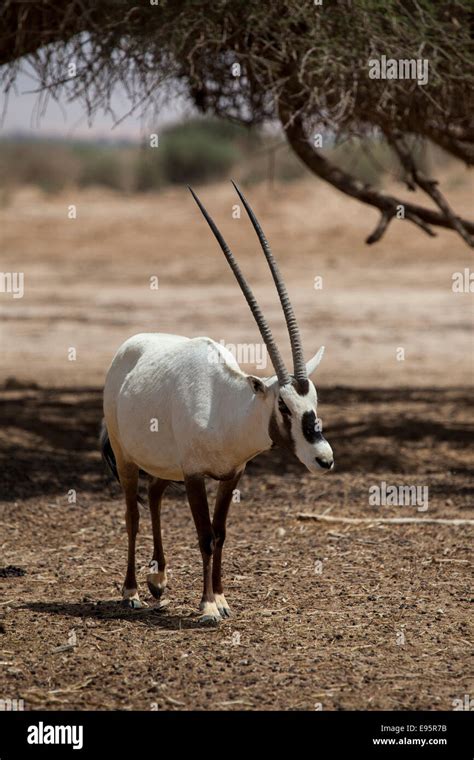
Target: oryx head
(294,422)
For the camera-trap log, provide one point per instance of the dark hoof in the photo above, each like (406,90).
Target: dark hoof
(132,604)
(224,612)
(155,591)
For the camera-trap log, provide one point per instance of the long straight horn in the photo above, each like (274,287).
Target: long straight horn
(275,356)
(293,330)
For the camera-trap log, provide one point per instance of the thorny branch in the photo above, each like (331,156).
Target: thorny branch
(429,186)
(387,204)
(313,59)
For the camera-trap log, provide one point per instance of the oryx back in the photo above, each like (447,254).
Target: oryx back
(175,405)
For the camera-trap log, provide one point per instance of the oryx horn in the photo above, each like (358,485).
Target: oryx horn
(275,356)
(292,325)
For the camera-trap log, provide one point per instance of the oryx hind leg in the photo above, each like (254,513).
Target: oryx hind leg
(156,578)
(128,476)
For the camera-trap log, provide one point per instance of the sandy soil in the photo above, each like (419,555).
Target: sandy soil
(87,282)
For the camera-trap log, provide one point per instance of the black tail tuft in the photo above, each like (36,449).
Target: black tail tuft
(108,455)
(108,458)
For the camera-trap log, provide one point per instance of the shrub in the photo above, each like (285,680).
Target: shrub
(192,153)
(47,165)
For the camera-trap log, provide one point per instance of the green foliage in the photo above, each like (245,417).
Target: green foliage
(198,151)
(148,173)
(101,167)
(47,165)
(195,155)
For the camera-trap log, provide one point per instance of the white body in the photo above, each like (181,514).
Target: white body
(182,409)
(209,419)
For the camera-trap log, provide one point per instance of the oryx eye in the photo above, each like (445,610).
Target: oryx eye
(283,407)
(318,425)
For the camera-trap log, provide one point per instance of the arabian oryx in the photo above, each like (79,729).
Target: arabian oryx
(212,418)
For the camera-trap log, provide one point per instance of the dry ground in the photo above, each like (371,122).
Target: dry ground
(386,622)
(384,625)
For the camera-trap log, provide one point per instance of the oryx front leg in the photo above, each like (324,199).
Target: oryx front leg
(156,579)
(128,474)
(196,491)
(223,500)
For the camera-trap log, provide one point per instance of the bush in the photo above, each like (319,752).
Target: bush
(101,167)
(148,171)
(198,151)
(192,153)
(47,165)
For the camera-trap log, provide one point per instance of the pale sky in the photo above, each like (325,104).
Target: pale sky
(70,120)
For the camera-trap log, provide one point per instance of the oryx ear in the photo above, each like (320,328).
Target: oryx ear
(270,382)
(257,385)
(313,363)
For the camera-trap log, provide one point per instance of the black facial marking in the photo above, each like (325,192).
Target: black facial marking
(283,407)
(311,427)
(301,387)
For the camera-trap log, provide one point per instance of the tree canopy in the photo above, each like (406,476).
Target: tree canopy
(304,64)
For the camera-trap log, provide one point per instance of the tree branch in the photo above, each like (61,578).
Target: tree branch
(449,139)
(388,205)
(429,186)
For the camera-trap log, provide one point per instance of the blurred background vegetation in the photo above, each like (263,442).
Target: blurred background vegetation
(196,151)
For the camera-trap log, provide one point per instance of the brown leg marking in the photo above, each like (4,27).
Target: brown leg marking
(156,578)
(223,500)
(196,491)
(128,474)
